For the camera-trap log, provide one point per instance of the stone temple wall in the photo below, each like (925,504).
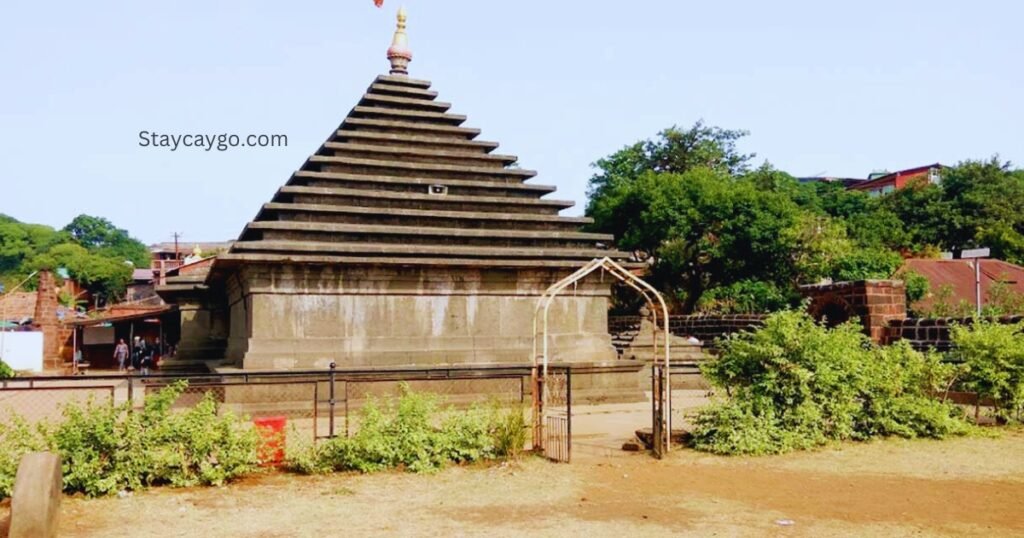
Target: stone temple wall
(297,317)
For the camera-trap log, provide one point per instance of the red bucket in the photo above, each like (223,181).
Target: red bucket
(271,430)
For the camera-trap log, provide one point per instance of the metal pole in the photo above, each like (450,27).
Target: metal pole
(316,411)
(330,428)
(538,409)
(346,408)
(654,403)
(568,411)
(977,284)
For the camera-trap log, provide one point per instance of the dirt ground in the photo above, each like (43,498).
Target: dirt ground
(971,486)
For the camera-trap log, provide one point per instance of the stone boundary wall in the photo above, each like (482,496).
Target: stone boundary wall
(933,333)
(706,328)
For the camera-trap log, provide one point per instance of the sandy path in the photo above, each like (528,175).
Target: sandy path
(959,487)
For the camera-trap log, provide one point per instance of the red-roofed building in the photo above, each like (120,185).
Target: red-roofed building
(891,181)
(959,277)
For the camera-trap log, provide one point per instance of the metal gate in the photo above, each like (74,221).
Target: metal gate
(551,432)
(553,414)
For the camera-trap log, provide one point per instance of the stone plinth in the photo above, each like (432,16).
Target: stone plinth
(300,317)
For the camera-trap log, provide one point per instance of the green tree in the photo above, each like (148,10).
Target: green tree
(674,150)
(19,243)
(987,197)
(702,229)
(927,217)
(866,264)
(90,248)
(976,204)
(101,275)
(688,203)
(99,235)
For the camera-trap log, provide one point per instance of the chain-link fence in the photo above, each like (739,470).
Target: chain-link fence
(315,404)
(43,401)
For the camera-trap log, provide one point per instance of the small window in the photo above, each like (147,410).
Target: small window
(888,188)
(934,176)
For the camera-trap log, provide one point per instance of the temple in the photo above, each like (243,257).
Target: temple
(403,240)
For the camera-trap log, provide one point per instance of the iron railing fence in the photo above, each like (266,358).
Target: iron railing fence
(316,403)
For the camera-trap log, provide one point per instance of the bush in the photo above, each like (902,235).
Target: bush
(509,429)
(993,354)
(916,285)
(17,438)
(106,448)
(867,263)
(6,372)
(795,384)
(745,297)
(416,435)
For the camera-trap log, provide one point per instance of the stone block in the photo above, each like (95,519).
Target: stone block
(35,502)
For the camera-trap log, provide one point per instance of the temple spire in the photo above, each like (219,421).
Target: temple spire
(399,54)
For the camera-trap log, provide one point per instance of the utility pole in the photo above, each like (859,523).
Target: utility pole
(177,254)
(976,255)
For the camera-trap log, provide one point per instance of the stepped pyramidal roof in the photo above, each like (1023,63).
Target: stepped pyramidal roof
(403,181)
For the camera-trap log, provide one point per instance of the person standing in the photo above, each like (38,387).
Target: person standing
(137,348)
(146,357)
(121,354)
(158,353)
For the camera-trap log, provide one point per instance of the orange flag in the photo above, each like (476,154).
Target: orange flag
(378,3)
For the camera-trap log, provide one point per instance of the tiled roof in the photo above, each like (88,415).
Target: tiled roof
(123,313)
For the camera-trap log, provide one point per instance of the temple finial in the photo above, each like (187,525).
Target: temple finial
(399,54)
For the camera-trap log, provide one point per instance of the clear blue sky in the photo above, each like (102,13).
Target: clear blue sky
(824,87)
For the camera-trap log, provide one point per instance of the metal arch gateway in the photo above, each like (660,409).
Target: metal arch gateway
(661,406)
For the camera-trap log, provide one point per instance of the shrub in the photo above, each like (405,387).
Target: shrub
(867,263)
(6,372)
(415,434)
(916,285)
(796,384)
(745,297)
(993,354)
(106,448)
(509,429)
(17,438)
(196,446)
(943,305)
(1002,300)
